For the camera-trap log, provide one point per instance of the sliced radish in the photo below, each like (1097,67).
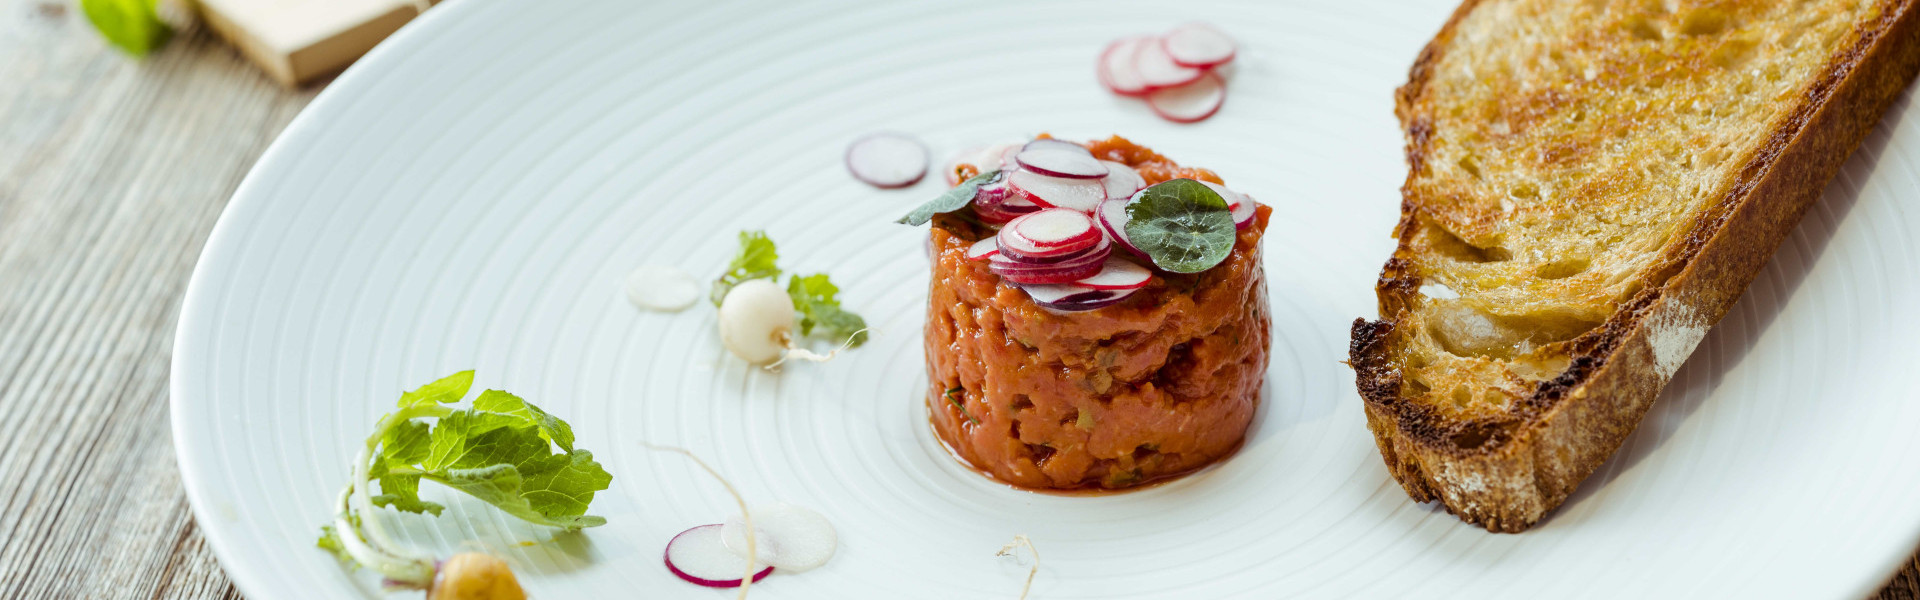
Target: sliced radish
(994,191)
(1157,70)
(1005,210)
(1198,45)
(1053,229)
(1243,213)
(1007,162)
(982,249)
(1074,163)
(1116,70)
(1121,180)
(699,556)
(1233,198)
(1191,102)
(887,160)
(1073,298)
(790,537)
(1118,274)
(1113,216)
(1065,269)
(1058,192)
(662,288)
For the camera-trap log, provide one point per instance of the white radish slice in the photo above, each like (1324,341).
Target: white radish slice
(1049,294)
(887,160)
(699,556)
(1113,216)
(799,539)
(1233,198)
(1017,246)
(1007,162)
(1121,180)
(1198,45)
(1071,298)
(1075,163)
(662,288)
(1118,274)
(1116,70)
(1243,213)
(1056,228)
(983,249)
(1157,70)
(1058,192)
(1191,102)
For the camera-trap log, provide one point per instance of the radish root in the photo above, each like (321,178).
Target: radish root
(795,352)
(745,515)
(1008,550)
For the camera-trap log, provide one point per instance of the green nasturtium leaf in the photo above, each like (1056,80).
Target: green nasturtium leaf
(950,200)
(1181,224)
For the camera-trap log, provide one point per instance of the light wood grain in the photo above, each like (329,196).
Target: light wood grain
(112,171)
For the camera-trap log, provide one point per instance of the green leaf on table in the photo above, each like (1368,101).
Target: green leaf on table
(818,302)
(447,390)
(1181,224)
(131,25)
(950,200)
(755,261)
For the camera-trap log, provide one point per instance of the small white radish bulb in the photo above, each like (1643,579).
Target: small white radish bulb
(757,321)
(475,576)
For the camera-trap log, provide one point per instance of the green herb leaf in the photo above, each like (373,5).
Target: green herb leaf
(1181,224)
(447,390)
(957,403)
(552,490)
(551,428)
(131,25)
(755,261)
(330,541)
(950,200)
(818,302)
(402,492)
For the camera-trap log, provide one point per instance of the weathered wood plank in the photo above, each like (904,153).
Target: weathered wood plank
(112,171)
(111,174)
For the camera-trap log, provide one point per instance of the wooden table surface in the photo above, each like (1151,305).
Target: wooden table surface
(112,171)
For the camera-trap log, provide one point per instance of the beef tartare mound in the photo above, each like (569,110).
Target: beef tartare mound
(1056,363)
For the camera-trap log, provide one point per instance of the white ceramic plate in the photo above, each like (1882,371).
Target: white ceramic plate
(472,194)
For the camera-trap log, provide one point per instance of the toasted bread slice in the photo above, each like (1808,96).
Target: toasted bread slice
(1591,185)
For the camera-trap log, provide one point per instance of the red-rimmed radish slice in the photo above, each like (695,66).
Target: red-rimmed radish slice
(1233,198)
(1020,273)
(1191,102)
(1198,45)
(1054,144)
(1157,70)
(1116,70)
(795,538)
(1050,230)
(1243,213)
(699,556)
(1005,210)
(887,160)
(994,191)
(1075,163)
(1058,192)
(1073,298)
(1113,216)
(1121,180)
(1117,274)
(982,249)
(1007,162)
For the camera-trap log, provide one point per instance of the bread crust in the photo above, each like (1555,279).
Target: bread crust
(1571,424)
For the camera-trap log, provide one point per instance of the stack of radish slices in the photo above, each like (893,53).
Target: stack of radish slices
(791,538)
(1064,211)
(1176,72)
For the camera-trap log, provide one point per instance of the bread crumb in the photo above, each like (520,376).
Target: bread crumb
(1673,333)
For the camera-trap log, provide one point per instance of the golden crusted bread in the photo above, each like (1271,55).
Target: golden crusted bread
(1591,185)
